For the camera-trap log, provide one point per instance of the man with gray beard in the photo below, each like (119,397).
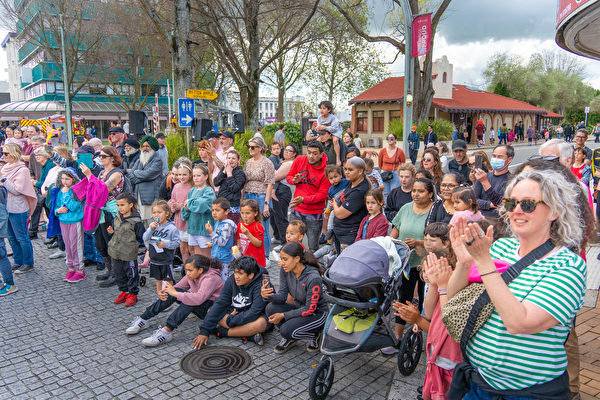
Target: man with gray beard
(146,176)
(132,153)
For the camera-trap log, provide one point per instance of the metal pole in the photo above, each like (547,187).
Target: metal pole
(67,91)
(169,105)
(408,73)
(187,140)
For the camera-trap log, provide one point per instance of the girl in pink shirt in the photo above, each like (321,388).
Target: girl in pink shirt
(178,197)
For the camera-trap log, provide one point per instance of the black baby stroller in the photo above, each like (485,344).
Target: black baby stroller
(361,285)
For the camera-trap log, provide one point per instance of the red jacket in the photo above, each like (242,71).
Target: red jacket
(377,227)
(313,187)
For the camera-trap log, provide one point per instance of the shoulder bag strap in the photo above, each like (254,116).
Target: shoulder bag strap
(508,275)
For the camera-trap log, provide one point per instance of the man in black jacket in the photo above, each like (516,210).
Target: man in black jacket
(430,137)
(489,188)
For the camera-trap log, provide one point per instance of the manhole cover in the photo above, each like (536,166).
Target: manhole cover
(215,362)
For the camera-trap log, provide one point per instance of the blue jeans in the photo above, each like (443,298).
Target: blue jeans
(18,238)
(390,185)
(477,393)
(5,268)
(260,198)
(89,248)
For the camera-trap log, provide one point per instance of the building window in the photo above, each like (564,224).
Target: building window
(395,114)
(377,121)
(361,121)
(444,77)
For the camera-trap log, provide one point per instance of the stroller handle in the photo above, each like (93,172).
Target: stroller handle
(350,304)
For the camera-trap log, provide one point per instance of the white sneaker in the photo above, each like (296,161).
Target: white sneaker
(160,336)
(274,256)
(137,326)
(57,254)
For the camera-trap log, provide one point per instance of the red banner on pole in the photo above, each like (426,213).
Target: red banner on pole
(421,35)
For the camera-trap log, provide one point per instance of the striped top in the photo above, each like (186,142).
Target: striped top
(555,283)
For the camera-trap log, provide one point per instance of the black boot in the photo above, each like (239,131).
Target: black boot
(108,282)
(108,278)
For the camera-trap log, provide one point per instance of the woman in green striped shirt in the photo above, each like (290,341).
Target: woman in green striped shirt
(520,350)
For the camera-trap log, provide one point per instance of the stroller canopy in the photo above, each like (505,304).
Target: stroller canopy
(360,261)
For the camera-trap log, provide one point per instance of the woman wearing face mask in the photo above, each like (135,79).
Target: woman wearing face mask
(490,186)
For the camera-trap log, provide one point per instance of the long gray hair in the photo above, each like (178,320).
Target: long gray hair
(558,194)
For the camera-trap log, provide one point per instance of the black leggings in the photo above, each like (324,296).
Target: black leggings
(407,291)
(180,313)
(299,327)
(279,212)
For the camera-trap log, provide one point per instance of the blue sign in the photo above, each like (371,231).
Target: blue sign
(186,112)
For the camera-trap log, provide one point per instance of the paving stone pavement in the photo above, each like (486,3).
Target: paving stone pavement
(67,341)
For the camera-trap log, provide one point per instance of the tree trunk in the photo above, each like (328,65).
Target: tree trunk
(251,106)
(181,49)
(280,99)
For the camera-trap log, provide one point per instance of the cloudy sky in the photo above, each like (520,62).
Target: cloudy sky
(473,30)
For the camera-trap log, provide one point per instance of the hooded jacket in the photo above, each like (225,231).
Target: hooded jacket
(246,300)
(127,237)
(68,199)
(231,187)
(169,235)
(222,240)
(307,291)
(207,287)
(313,187)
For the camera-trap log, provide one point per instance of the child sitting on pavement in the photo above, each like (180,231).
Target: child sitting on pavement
(221,235)
(195,292)
(240,310)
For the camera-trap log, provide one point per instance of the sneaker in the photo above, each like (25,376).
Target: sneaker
(284,346)
(68,276)
(49,240)
(160,336)
(99,267)
(24,269)
(131,300)
(137,325)
(8,289)
(52,245)
(322,239)
(274,256)
(389,351)
(15,267)
(103,277)
(121,298)
(258,339)
(314,344)
(77,276)
(57,254)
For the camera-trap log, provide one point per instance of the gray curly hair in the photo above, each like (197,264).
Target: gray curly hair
(558,194)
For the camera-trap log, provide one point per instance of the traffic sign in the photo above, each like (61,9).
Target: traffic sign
(186,112)
(587,110)
(201,94)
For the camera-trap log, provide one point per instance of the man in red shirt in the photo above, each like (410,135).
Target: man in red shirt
(308,174)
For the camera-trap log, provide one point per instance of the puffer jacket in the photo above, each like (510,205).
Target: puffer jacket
(147,179)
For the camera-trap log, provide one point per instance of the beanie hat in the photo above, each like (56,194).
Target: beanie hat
(131,141)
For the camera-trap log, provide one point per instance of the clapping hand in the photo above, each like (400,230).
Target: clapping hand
(471,239)
(408,312)
(438,270)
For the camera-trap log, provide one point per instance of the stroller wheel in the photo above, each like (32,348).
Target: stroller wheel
(410,352)
(142,281)
(321,379)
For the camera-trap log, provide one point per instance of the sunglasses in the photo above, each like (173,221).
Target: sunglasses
(103,156)
(391,138)
(428,159)
(527,206)
(5,153)
(253,147)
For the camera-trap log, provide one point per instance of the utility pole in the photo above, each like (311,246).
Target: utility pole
(408,74)
(66,86)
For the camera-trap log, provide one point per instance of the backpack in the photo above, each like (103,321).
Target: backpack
(127,186)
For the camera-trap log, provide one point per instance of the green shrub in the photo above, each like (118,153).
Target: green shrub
(241,145)
(177,147)
(292,133)
(396,126)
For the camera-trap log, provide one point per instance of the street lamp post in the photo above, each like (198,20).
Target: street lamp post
(408,74)
(66,87)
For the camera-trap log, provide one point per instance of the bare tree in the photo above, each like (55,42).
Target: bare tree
(551,60)
(39,28)
(423,85)
(243,35)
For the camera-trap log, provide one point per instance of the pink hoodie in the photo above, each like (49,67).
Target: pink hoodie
(178,196)
(207,287)
(95,193)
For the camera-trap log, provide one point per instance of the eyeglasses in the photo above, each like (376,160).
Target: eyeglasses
(579,137)
(103,156)
(391,138)
(447,186)
(527,206)
(545,158)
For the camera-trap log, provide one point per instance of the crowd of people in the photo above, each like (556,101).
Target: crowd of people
(468,220)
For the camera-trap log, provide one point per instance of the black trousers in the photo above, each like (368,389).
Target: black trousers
(179,314)
(279,212)
(101,239)
(299,327)
(412,154)
(34,223)
(127,276)
(407,291)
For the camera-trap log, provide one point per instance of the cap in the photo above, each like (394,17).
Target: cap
(212,135)
(116,129)
(228,134)
(459,144)
(159,135)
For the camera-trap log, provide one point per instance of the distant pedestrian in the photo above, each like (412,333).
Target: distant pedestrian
(279,136)
(413,145)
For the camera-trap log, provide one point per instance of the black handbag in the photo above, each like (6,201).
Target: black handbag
(389,175)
